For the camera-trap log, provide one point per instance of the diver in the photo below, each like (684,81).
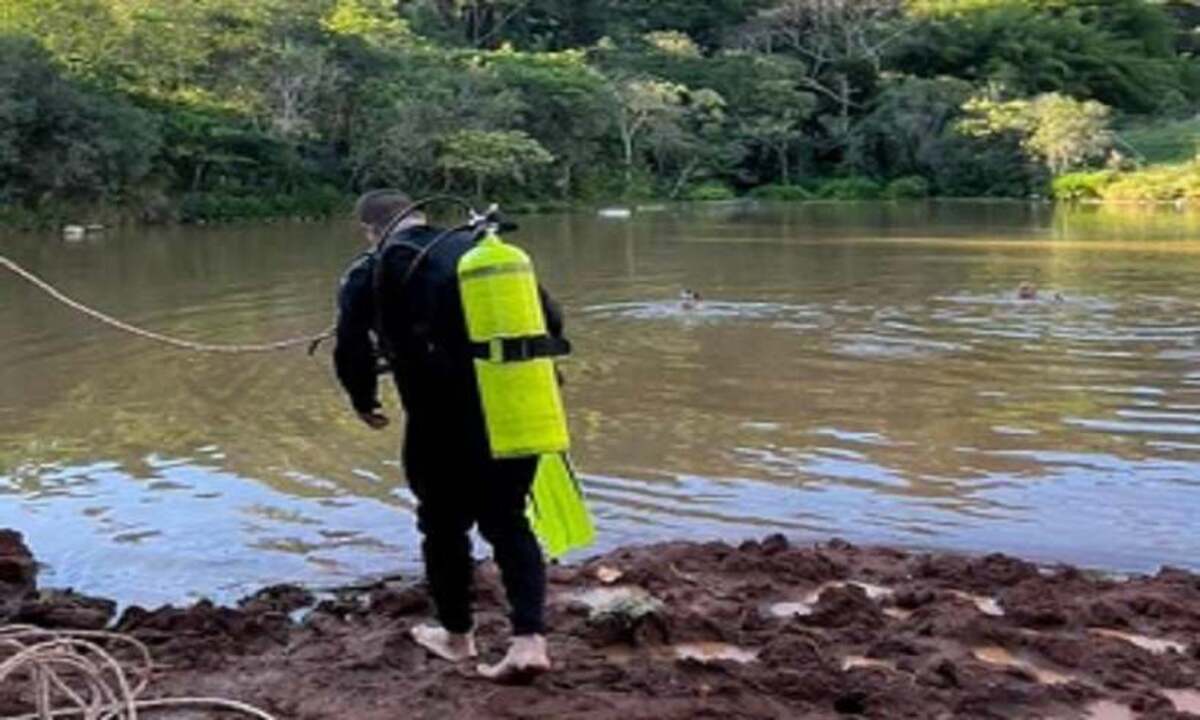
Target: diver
(406,303)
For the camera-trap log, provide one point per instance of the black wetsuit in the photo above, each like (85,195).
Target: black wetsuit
(446,455)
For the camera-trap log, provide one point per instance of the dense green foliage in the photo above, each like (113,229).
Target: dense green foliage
(1164,183)
(221,109)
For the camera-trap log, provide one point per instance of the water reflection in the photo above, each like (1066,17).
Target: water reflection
(859,370)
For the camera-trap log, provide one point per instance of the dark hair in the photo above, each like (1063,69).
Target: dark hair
(377,208)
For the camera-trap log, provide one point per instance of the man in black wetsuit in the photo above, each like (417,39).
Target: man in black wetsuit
(402,304)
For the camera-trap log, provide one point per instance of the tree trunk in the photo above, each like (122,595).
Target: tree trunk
(566,181)
(783,165)
(684,176)
(627,142)
(846,102)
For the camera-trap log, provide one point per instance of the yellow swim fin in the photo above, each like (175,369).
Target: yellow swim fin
(557,511)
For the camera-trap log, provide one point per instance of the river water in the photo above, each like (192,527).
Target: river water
(864,371)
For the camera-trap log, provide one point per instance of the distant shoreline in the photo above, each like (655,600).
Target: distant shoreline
(113,217)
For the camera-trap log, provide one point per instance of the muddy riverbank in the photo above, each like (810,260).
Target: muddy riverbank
(761,630)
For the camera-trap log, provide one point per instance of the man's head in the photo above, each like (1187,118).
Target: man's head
(375,210)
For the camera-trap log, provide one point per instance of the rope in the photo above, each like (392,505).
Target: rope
(311,341)
(71,674)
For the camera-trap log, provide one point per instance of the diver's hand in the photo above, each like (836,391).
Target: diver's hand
(375,419)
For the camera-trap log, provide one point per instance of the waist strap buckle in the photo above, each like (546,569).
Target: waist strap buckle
(507,350)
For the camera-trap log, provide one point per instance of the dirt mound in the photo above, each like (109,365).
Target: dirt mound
(678,630)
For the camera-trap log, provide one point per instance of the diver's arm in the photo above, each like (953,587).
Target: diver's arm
(552,312)
(354,355)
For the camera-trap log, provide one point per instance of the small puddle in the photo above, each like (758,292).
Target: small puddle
(985,605)
(809,602)
(994,655)
(858,662)
(709,652)
(1187,701)
(1108,710)
(1158,646)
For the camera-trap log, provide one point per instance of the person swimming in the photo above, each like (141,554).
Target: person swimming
(689,298)
(1029,291)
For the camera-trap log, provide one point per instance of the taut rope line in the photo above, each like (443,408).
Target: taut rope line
(311,341)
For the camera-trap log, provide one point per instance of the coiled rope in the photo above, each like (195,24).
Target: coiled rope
(72,674)
(310,341)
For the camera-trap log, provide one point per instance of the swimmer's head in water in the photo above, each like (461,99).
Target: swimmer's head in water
(689,297)
(1027,291)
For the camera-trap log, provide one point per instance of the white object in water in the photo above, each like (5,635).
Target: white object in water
(616,213)
(73,232)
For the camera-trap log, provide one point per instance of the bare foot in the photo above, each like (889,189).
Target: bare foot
(526,659)
(446,645)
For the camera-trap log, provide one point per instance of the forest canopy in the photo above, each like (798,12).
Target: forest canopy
(216,109)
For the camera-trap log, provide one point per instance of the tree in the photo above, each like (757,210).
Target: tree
(638,105)
(562,104)
(903,133)
(478,23)
(491,155)
(693,139)
(297,79)
(1063,132)
(1117,51)
(428,95)
(62,140)
(374,21)
(841,42)
(771,111)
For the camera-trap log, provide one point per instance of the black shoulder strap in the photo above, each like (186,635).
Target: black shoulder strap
(377,297)
(422,253)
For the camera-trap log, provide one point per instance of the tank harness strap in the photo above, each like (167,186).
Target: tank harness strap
(520,349)
(387,354)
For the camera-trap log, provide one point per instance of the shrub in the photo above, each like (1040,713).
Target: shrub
(317,201)
(851,188)
(709,192)
(1158,184)
(782,193)
(908,188)
(1081,185)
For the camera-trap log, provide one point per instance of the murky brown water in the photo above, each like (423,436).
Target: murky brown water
(855,370)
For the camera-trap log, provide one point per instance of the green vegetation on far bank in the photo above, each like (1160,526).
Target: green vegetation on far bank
(230,109)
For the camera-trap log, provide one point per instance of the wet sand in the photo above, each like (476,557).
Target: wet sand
(761,630)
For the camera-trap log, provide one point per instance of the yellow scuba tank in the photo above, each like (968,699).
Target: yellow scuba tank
(518,387)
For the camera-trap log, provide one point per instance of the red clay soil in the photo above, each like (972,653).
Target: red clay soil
(924,636)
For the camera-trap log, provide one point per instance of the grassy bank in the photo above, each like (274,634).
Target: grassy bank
(1173,183)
